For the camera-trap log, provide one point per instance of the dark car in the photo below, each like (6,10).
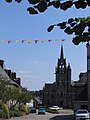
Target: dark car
(32,110)
(41,111)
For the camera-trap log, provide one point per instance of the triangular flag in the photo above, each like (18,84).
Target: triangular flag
(9,41)
(49,40)
(16,40)
(43,41)
(56,40)
(63,40)
(29,41)
(23,41)
(3,41)
(36,41)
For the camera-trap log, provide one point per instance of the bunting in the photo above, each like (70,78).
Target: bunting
(49,40)
(3,41)
(9,41)
(16,41)
(56,40)
(36,41)
(43,41)
(23,41)
(29,41)
(63,40)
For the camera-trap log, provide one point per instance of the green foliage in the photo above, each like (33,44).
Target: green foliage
(23,108)
(66,5)
(4,110)
(68,31)
(80,27)
(33,1)
(9,1)
(11,113)
(56,4)
(71,25)
(82,38)
(3,89)
(18,1)
(70,20)
(41,6)
(24,97)
(80,4)
(62,25)
(8,91)
(32,10)
(50,28)
(14,111)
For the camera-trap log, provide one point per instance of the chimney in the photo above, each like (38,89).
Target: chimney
(8,72)
(13,75)
(2,64)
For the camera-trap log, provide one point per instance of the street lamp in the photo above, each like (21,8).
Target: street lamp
(88,74)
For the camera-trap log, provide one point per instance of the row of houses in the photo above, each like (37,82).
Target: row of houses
(7,74)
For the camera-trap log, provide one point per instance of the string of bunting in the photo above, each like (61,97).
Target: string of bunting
(29,41)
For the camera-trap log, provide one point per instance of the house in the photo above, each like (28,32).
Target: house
(6,74)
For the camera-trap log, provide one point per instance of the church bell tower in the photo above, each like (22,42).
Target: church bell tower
(63,72)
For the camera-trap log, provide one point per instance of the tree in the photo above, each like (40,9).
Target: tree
(24,96)
(11,92)
(8,91)
(4,90)
(72,24)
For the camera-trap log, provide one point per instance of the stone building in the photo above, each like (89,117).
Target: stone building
(59,92)
(65,92)
(82,100)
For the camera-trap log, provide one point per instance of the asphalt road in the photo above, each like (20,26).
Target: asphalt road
(62,115)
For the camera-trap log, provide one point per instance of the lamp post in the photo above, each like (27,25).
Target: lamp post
(43,82)
(43,93)
(88,74)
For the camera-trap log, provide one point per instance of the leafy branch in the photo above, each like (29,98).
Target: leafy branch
(80,27)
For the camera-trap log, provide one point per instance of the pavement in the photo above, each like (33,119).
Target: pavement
(64,114)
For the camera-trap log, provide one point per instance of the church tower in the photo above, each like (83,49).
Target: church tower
(63,72)
(59,92)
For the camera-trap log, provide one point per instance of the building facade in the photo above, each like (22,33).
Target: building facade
(59,92)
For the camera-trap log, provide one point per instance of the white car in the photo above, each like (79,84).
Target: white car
(81,114)
(54,108)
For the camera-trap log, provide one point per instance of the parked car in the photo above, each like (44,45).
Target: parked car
(54,107)
(41,111)
(32,110)
(81,114)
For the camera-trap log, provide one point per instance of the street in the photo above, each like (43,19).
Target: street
(65,114)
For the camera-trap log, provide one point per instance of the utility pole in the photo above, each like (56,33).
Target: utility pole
(88,74)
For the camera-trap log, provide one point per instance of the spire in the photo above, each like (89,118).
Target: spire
(69,67)
(62,55)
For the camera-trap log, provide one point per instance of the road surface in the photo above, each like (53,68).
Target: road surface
(64,114)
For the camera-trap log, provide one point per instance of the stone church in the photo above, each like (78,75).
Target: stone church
(65,92)
(59,93)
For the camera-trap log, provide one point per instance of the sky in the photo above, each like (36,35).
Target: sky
(35,63)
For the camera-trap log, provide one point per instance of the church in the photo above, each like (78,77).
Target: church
(65,92)
(59,93)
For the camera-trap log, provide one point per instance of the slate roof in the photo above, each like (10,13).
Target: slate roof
(37,99)
(4,76)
